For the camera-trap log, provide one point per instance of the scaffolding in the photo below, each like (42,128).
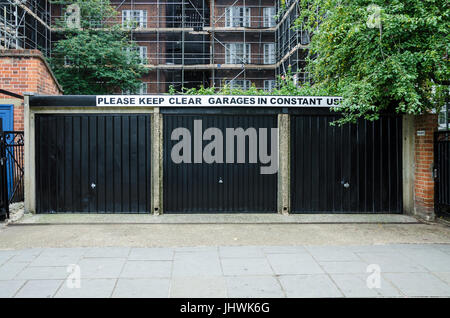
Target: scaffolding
(188,43)
(25,24)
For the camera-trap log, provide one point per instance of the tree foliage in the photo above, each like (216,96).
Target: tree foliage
(98,57)
(379,55)
(285,85)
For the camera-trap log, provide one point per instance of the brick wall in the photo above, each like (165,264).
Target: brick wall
(25,71)
(423,173)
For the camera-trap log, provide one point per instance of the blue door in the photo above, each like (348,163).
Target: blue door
(7,116)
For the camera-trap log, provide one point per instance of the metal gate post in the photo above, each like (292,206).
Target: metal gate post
(157,162)
(4,202)
(284,164)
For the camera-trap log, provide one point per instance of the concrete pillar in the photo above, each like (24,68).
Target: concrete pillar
(29,164)
(157,162)
(408,168)
(284,161)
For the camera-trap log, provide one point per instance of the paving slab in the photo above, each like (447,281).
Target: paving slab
(5,258)
(254,287)
(347,267)
(240,251)
(43,272)
(147,269)
(39,288)
(43,260)
(443,247)
(108,252)
(89,288)
(246,266)
(22,258)
(198,287)
(26,255)
(151,254)
(392,263)
(406,270)
(444,276)
(142,288)
(10,270)
(419,284)
(332,253)
(284,249)
(313,285)
(356,286)
(197,264)
(432,259)
(68,251)
(8,288)
(292,264)
(101,267)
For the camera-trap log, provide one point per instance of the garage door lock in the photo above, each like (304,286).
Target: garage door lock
(345,184)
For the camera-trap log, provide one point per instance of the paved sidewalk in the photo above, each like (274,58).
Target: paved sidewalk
(407,270)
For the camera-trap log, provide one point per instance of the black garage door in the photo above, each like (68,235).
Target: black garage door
(349,169)
(217,187)
(93,163)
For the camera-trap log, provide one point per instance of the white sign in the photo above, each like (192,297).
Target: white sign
(217,101)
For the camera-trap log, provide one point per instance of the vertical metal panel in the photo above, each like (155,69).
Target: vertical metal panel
(93,163)
(366,155)
(195,187)
(442,172)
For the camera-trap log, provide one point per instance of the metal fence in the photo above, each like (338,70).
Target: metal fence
(4,202)
(442,172)
(13,143)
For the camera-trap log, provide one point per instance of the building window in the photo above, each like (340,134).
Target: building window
(238,84)
(269,53)
(68,61)
(237,17)
(443,118)
(269,85)
(142,90)
(134,18)
(237,53)
(269,17)
(142,52)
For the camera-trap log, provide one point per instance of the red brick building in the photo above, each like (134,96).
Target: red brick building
(24,71)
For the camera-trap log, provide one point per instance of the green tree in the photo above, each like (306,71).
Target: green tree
(97,57)
(380,55)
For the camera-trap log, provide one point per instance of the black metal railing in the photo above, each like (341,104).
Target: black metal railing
(4,202)
(13,143)
(442,172)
